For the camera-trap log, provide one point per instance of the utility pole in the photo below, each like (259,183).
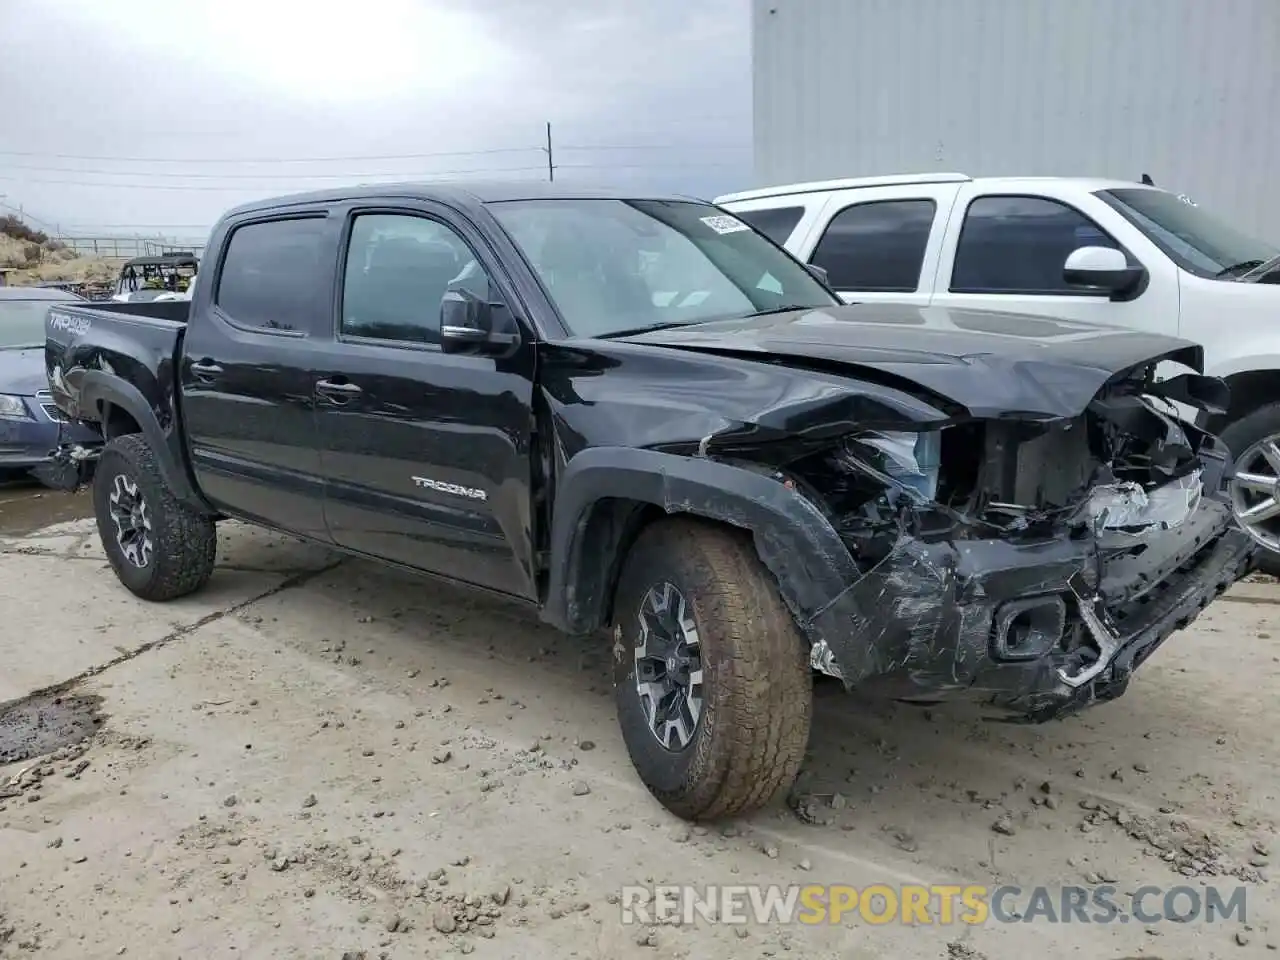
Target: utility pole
(551,167)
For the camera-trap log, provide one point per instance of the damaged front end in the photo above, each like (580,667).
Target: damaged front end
(69,467)
(1031,562)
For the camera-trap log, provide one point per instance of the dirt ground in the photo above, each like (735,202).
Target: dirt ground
(317,758)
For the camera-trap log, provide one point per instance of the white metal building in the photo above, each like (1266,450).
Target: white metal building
(1187,91)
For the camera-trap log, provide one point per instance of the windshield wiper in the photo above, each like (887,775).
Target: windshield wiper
(1235,267)
(645,328)
(785,308)
(1262,269)
(668,324)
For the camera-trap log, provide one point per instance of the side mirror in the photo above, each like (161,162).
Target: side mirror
(1103,268)
(820,273)
(466,325)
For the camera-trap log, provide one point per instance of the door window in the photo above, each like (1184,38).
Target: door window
(273,276)
(877,246)
(776,223)
(399,268)
(1020,245)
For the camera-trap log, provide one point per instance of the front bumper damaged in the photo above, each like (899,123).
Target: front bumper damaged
(1040,630)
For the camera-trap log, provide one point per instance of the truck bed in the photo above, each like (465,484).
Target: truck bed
(85,346)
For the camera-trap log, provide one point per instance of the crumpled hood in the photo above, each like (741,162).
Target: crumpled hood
(992,364)
(22,372)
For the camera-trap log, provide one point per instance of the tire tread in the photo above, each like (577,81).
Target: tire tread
(185,544)
(766,688)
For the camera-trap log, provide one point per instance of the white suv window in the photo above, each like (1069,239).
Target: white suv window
(877,246)
(776,223)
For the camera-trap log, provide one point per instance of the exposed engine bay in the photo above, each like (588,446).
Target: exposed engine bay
(1123,470)
(1034,561)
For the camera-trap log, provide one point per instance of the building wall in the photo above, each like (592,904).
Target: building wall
(1187,91)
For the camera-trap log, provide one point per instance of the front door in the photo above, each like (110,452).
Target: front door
(426,455)
(1007,252)
(247,371)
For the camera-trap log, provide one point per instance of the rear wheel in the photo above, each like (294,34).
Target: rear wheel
(1254,441)
(159,548)
(711,675)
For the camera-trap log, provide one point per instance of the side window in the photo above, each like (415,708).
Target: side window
(775,223)
(1020,245)
(399,268)
(271,275)
(876,246)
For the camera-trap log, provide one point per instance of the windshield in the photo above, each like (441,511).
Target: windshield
(1196,241)
(613,266)
(22,323)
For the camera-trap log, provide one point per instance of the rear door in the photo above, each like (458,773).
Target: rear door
(880,243)
(259,324)
(426,455)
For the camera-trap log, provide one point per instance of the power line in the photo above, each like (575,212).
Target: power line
(28,215)
(404,178)
(244,176)
(400,156)
(370,157)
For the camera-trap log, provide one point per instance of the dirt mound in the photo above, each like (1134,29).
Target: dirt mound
(32,262)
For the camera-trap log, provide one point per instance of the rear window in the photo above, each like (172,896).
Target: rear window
(273,277)
(776,223)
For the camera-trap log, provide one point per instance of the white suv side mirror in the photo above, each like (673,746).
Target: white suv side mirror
(1103,268)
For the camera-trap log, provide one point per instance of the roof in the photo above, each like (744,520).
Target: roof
(36,293)
(848,183)
(1088,184)
(459,194)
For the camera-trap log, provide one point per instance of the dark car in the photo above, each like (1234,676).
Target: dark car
(648,422)
(31,427)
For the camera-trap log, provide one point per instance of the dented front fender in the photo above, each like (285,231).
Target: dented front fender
(792,536)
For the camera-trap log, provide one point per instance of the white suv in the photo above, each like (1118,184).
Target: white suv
(1107,251)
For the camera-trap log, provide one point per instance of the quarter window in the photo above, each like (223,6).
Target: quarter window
(776,223)
(877,246)
(1020,245)
(273,275)
(399,268)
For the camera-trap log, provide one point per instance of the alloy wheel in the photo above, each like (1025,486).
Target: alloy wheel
(1255,491)
(131,520)
(668,660)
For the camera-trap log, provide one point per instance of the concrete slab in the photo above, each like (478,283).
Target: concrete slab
(62,617)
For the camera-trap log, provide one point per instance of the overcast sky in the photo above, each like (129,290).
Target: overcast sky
(241,98)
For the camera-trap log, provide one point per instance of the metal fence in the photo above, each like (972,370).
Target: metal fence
(129,247)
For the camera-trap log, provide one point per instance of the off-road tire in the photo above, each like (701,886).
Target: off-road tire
(184,541)
(1239,436)
(758,691)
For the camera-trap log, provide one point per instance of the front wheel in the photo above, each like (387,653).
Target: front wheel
(711,674)
(1254,442)
(159,547)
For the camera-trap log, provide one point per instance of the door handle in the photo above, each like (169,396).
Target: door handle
(206,370)
(337,391)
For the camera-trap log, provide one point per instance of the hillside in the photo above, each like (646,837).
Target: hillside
(34,257)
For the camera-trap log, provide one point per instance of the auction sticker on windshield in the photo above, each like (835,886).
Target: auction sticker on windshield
(723,224)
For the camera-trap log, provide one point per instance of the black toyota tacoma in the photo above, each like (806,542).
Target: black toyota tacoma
(645,419)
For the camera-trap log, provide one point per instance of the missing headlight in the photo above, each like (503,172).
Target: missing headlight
(912,460)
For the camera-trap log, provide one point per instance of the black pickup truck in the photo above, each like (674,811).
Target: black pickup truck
(646,420)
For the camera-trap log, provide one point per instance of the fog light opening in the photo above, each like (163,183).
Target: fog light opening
(1028,629)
